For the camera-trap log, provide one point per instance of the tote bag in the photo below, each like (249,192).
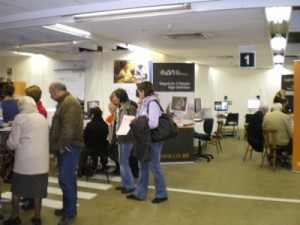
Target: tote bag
(166,128)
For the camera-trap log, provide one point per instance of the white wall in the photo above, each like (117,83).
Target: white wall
(211,84)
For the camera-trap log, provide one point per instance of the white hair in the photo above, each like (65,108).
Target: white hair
(27,104)
(276,107)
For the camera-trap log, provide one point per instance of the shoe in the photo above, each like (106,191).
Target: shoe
(158,200)
(66,220)
(127,190)
(60,212)
(36,221)
(132,197)
(15,221)
(119,188)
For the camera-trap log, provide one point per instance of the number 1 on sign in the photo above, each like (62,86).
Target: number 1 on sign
(247,59)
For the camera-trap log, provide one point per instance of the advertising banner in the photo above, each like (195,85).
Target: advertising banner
(174,77)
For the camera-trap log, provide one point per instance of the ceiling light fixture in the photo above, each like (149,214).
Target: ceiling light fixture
(278,14)
(278,43)
(24,53)
(278,58)
(46,44)
(133,12)
(69,30)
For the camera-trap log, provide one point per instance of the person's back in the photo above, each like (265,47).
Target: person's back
(95,134)
(254,132)
(281,122)
(9,104)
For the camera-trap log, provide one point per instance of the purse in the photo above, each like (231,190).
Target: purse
(166,128)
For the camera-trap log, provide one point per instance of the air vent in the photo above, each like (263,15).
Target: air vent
(194,35)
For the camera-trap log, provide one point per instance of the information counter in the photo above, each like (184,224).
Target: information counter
(179,148)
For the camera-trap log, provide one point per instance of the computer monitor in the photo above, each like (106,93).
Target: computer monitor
(179,104)
(253,104)
(197,105)
(221,106)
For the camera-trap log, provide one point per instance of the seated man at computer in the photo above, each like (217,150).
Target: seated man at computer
(276,119)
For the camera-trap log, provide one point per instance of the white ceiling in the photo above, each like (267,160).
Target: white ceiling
(228,24)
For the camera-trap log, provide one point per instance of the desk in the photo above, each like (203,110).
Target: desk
(5,156)
(179,148)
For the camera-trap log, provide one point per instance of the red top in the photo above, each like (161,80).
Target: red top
(110,118)
(41,109)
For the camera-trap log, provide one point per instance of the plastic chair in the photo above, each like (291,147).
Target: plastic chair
(205,137)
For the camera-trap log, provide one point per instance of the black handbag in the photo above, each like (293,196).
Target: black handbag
(166,128)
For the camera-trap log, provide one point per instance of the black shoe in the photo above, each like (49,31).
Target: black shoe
(36,221)
(127,190)
(15,221)
(132,197)
(60,212)
(119,188)
(158,200)
(66,220)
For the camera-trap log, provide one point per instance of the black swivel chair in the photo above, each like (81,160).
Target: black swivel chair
(232,120)
(205,137)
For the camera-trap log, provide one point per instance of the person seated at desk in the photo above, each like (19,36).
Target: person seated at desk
(9,104)
(95,140)
(254,129)
(276,119)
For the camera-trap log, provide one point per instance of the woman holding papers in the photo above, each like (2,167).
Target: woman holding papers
(125,112)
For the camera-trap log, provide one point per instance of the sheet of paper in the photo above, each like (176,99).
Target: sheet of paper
(124,128)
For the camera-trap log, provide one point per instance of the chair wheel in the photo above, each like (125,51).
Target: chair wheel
(212,157)
(208,160)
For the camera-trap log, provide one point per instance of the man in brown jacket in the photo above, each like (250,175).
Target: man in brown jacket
(66,141)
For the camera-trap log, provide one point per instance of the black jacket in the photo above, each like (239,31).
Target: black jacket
(141,139)
(95,134)
(255,133)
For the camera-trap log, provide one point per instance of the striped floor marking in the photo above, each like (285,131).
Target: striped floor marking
(55,204)
(80,194)
(85,184)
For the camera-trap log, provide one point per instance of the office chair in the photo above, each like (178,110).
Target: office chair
(232,120)
(104,153)
(205,137)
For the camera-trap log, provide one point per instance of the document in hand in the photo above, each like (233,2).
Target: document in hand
(124,128)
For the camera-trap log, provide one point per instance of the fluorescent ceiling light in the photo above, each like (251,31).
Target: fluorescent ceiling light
(46,44)
(134,12)
(278,43)
(69,30)
(24,53)
(278,14)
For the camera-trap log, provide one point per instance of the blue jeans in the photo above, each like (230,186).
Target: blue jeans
(159,178)
(127,180)
(67,166)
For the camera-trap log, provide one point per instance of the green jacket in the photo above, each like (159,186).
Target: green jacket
(67,124)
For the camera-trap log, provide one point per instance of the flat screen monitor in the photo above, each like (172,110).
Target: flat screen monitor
(179,104)
(221,106)
(197,105)
(253,104)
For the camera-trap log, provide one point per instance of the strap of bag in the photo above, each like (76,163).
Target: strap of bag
(157,103)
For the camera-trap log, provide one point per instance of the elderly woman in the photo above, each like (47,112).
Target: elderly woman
(29,139)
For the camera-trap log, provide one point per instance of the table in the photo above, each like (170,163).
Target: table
(179,148)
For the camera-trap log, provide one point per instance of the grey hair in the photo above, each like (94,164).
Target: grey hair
(276,107)
(263,107)
(58,86)
(27,104)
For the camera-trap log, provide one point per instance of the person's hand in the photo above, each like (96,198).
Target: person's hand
(140,103)
(64,149)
